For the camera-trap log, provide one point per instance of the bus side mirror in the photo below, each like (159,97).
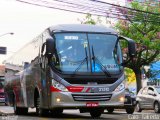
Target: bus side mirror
(50,47)
(131,48)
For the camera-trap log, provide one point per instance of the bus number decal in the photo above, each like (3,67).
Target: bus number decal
(103,89)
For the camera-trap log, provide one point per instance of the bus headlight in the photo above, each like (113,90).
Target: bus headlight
(59,86)
(120,87)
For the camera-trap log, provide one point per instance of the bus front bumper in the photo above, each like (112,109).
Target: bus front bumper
(67,100)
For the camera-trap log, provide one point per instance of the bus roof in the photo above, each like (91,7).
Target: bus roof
(81,28)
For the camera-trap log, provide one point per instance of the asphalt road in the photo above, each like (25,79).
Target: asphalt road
(7,114)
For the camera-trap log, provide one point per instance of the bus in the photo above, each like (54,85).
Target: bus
(68,66)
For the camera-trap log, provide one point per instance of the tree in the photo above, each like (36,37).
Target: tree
(144,28)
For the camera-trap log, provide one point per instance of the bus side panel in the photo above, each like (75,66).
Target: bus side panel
(17,86)
(35,81)
(18,91)
(8,88)
(30,83)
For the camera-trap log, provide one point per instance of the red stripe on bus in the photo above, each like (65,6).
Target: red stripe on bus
(75,88)
(88,89)
(53,89)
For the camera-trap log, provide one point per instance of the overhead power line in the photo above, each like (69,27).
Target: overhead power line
(125,7)
(94,7)
(104,14)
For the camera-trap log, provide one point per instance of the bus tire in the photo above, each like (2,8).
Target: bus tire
(56,111)
(110,110)
(96,113)
(130,110)
(43,112)
(19,110)
(40,111)
(23,110)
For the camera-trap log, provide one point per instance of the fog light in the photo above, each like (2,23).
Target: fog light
(58,99)
(121,99)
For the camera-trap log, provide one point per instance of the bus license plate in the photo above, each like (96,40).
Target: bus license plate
(92,104)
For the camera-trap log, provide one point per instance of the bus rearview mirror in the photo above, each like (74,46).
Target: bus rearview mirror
(131,48)
(50,47)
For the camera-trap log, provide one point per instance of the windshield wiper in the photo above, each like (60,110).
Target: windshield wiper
(103,68)
(83,61)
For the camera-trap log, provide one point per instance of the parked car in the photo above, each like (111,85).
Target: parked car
(148,98)
(129,103)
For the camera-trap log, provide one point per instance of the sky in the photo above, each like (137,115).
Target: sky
(27,22)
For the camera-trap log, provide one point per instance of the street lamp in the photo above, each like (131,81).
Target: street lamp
(11,33)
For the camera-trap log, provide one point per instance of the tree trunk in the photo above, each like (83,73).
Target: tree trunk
(138,78)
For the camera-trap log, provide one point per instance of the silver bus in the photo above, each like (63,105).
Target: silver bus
(68,66)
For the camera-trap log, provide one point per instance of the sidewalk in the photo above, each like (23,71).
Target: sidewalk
(6,110)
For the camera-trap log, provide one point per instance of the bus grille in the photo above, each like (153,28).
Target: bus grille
(92,97)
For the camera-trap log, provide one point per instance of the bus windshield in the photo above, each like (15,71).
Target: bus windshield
(75,52)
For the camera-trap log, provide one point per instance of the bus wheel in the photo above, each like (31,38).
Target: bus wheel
(40,111)
(56,111)
(110,110)
(38,106)
(96,113)
(19,110)
(15,108)
(130,110)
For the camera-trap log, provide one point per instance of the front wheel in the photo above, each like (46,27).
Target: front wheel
(130,110)
(110,110)
(56,111)
(96,113)
(156,107)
